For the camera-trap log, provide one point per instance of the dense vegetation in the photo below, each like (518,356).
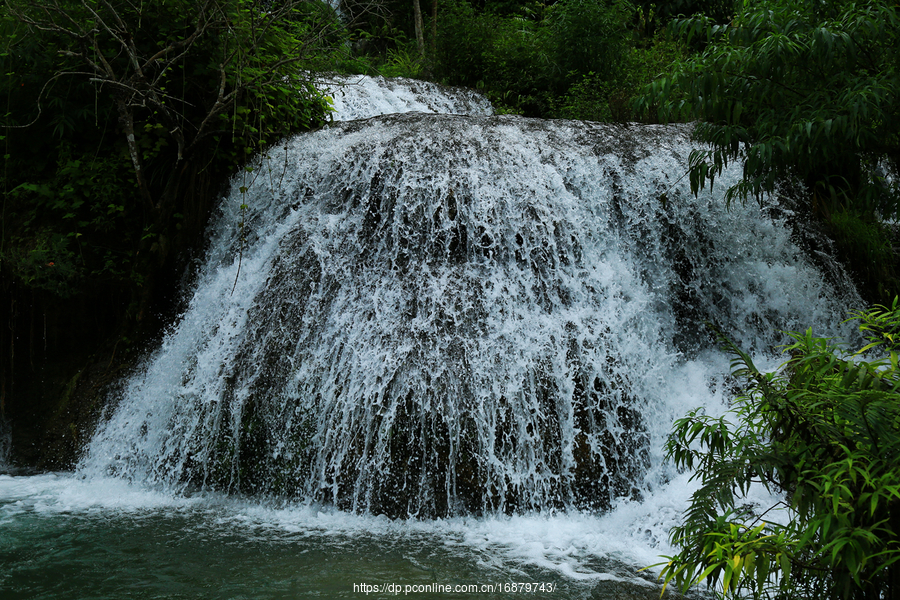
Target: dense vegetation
(121,122)
(823,432)
(580,59)
(119,117)
(795,89)
(805,95)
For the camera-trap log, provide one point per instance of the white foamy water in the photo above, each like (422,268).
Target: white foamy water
(361,97)
(576,547)
(487,324)
(435,315)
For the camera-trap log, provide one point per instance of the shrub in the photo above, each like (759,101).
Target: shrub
(824,432)
(865,244)
(589,36)
(596,97)
(793,89)
(121,119)
(525,61)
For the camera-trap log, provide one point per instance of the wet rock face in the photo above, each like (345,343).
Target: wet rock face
(429,315)
(436,313)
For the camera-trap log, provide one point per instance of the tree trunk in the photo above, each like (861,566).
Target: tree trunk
(126,120)
(420,29)
(434,28)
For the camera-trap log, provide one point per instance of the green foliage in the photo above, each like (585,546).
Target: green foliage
(466,40)
(46,262)
(402,61)
(719,10)
(865,244)
(122,118)
(591,99)
(602,98)
(277,97)
(794,89)
(572,59)
(881,327)
(68,225)
(382,49)
(523,61)
(824,431)
(589,35)
(656,15)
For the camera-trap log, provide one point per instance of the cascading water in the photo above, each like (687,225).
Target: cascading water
(436,314)
(361,97)
(490,319)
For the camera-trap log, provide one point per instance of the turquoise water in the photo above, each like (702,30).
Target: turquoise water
(65,538)
(160,554)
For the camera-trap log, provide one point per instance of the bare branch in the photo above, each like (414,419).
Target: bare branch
(112,53)
(40,95)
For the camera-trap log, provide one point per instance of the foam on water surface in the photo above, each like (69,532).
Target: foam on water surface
(361,97)
(577,546)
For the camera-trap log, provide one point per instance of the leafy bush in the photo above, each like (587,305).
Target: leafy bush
(823,431)
(655,15)
(402,61)
(866,246)
(122,118)
(794,89)
(589,35)
(596,97)
(504,57)
(524,61)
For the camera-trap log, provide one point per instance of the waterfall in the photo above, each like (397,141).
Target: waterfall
(446,312)
(361,97)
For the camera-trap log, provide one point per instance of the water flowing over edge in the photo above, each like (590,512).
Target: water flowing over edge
(361,97)
(637,272)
